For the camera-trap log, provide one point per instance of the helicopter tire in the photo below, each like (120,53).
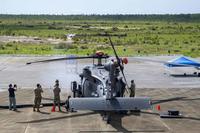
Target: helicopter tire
(198,75)
(108,121)
(123,112)
(106,117)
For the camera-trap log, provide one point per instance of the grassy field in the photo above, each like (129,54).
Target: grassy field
(130,37)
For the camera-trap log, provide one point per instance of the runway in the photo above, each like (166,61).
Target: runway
(152,80)
(13,69)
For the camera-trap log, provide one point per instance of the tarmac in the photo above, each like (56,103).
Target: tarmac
(24,120)
(13,69)
(152,80)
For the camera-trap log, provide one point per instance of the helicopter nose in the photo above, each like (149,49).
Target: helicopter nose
(125,60)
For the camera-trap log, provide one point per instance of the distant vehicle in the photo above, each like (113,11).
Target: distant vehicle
(101,88)
(70,36)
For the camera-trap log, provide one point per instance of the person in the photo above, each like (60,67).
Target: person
(12,99)
(38,97)
(56,92)
(132,89)
(56,83)
(67,104)
(123,88)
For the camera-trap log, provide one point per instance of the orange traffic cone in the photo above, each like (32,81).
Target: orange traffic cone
(158,107)
(53,109)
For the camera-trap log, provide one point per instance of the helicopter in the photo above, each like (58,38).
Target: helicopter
(101,87)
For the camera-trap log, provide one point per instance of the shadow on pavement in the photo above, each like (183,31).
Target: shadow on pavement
(173,99)
(184,117)
(167,100)
(192,118)
(58,118)
(132,131)
(184,75)
(46,113)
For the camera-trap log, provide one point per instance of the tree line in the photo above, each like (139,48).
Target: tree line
(119,17)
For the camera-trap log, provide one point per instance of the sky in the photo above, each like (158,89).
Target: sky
(99,6)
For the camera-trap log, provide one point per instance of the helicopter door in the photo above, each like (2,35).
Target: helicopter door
(89,89)
(92,88)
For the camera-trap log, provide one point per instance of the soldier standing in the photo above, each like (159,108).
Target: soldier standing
(56,83)
(12,99)
(56,92)
(38,97)
(132,89)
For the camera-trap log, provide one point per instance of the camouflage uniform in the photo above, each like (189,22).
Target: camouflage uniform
(56,92)
(38,97)
(132,89)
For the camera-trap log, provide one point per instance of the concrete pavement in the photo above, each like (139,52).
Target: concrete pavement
(187,101)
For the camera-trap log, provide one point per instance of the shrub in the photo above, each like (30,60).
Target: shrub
(126,26)
(9,45)
(51,27)
(65,46)
(84,47)
(115,29)
(176,50)
(2,46)
(192,49)
(61,46)
(102,47)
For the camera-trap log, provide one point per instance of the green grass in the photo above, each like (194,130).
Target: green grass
(143,37)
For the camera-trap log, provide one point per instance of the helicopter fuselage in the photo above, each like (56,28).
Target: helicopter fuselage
(101,81)
(101,88)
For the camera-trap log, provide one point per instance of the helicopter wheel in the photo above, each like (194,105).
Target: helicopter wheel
(198,74)
(108,121)
(106,117)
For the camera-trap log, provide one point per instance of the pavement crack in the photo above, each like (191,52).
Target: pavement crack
(27,125)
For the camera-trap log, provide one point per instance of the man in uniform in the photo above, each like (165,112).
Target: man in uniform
(38,97)
(56,92)
(12,99)
(132,89)
(56,83)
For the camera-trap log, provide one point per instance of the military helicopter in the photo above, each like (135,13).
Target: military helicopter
(101,86)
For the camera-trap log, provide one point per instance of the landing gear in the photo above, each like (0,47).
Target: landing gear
(198,74)
(106,117)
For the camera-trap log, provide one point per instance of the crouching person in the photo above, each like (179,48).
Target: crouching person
(67,104)
(38,97)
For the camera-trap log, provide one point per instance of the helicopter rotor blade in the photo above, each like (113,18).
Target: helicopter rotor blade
(66,58)
(117,57)
(119,63)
